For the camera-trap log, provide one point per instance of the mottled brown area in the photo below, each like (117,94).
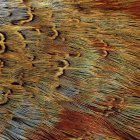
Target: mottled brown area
(76,127)
(131,7)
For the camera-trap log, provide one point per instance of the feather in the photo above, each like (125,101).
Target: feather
(69,70)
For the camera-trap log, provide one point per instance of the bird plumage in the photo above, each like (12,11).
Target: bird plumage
(69,70)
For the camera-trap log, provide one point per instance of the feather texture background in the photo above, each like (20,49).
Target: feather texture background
(69,70)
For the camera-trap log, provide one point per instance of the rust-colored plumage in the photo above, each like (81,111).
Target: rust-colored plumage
(69,70)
